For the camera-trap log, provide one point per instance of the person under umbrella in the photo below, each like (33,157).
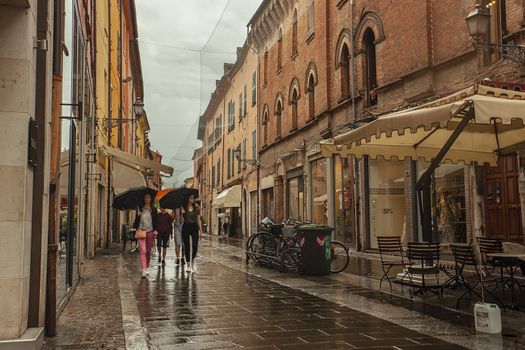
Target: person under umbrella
(191,228)
(146,224)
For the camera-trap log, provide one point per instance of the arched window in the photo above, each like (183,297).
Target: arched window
(345,72)
(265,127)
(265,67)
(280,50)
(294,32)
(295,98)
(310,16)
(311,97)
(278,113)
(370,67)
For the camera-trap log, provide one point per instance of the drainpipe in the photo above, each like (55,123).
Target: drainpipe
(120,78)
(352,63)
(37,209)
(54,188)
(109,125)
(357,192)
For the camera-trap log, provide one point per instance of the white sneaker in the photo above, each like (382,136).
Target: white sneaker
(147,272)
(188,267)
(144,274)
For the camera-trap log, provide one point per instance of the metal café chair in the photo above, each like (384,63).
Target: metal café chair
(424,261)
(391,253)
(464,256)
(488,246)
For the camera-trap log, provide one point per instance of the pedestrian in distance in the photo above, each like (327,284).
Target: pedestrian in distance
(165,233)
(146,225)
(225,225)
(177,234)
(191,228)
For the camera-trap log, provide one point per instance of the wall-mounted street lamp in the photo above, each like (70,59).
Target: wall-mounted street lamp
(478,21)
(138,110)
(237,153)
(255,163)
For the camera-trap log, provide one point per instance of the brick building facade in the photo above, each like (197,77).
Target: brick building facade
(327,66)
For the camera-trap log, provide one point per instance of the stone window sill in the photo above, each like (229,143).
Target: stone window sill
(310,37)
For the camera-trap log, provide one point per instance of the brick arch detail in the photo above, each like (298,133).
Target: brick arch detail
(371,20)
(311,70)
(294,85)
(265,114)
(278,98)
(344,38)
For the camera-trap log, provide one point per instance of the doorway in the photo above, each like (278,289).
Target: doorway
(502,200)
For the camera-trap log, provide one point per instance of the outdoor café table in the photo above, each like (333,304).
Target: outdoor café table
(511,261)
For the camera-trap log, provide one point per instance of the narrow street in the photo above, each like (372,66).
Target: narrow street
(226,304)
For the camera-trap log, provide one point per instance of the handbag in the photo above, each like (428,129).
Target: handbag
(140,234)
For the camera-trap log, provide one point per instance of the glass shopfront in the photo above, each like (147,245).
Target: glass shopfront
(386,199)
(319,191)
(344,203)
(448,203)
(295,202)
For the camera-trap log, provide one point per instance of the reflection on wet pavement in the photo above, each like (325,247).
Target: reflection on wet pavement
(220,307)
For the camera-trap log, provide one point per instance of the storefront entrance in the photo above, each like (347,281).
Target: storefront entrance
(502,200)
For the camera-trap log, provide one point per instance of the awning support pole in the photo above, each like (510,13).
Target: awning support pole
(424,183)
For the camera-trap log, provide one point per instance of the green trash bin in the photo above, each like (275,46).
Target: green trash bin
(316,256)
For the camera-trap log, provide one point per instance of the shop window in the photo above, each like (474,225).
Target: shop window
(344,200)
(370,68)
(386,199)
(448,203)
(345,72)
(311,97)
(319,191)
(267,203)
(295,198)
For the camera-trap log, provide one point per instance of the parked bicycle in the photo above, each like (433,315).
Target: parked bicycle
(279,245)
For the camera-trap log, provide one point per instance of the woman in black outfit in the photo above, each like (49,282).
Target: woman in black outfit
(191,227)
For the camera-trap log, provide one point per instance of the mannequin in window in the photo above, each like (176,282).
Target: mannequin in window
(448,213)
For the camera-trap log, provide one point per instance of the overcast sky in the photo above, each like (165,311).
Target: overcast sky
(183,47)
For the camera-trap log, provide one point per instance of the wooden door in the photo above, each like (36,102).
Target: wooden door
(502,200)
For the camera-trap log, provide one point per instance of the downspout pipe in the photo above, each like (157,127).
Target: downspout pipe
(41,97)
(353,79)
(109,125)
(54,188)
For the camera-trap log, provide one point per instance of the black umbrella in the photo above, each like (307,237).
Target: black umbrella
(177,197)
(133,198)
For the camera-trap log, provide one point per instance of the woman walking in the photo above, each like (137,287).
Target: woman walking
(191,227)
(177,228)
(146,223)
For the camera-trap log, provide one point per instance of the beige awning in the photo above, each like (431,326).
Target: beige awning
(125,177)
(421,132)
(130,160)
(229,198)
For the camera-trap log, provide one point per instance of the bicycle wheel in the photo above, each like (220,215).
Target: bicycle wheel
(340,257)
(263,243)
(291,260)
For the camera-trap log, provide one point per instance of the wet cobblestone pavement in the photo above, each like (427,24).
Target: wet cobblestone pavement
(93,318)
(219,308)
(228,304)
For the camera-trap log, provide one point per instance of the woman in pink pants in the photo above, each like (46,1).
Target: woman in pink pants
(146,220)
